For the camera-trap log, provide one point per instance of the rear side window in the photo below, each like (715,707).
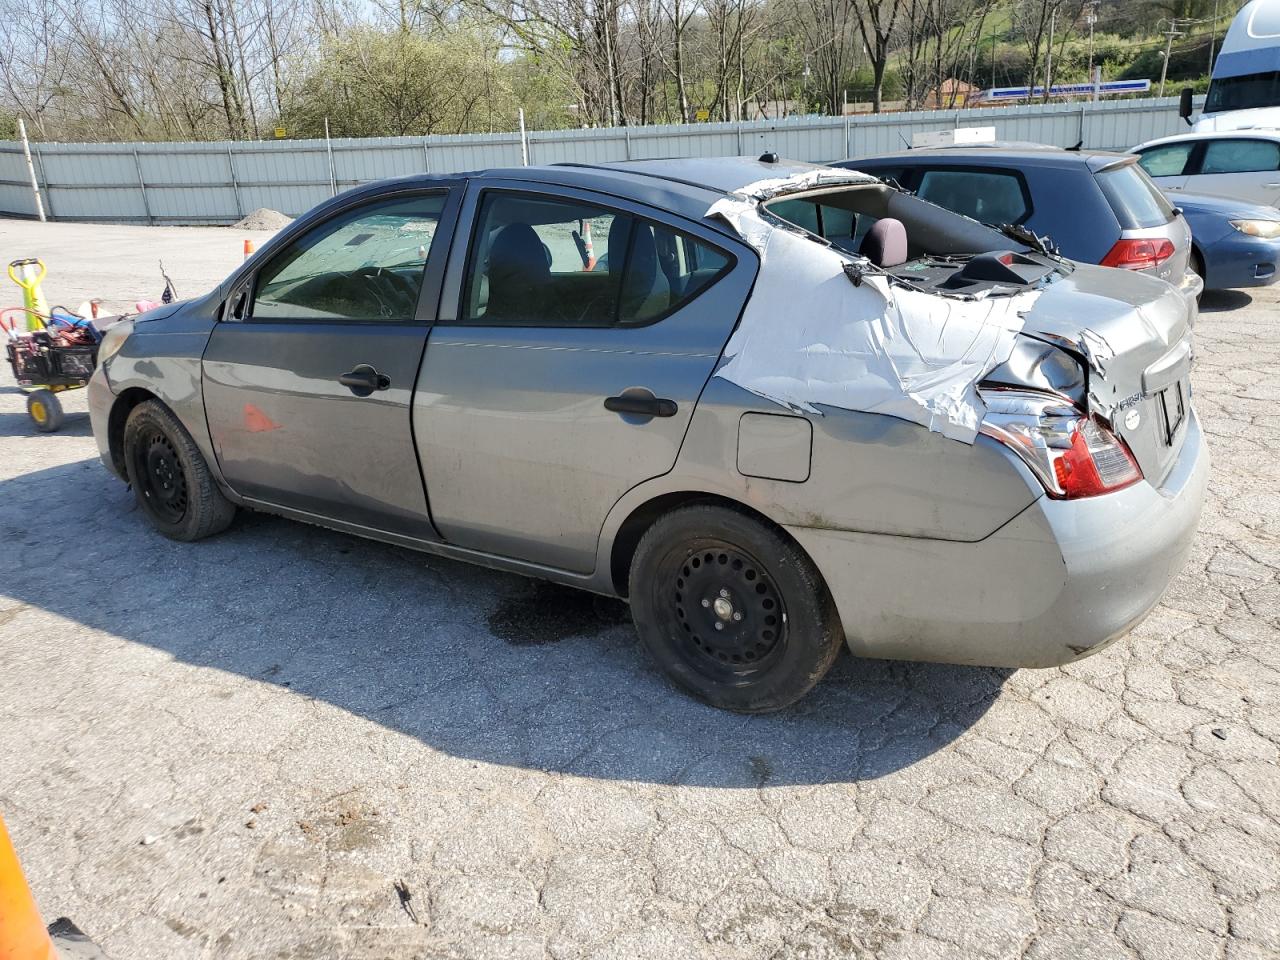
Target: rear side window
(562,263)
(1167,161)
(1240,156)
(988,196)
(1133,198)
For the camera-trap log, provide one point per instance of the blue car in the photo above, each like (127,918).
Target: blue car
(1234,243)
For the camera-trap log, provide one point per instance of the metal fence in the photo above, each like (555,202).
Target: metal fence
(190,183)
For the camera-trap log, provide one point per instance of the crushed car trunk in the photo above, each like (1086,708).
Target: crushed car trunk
(949,319)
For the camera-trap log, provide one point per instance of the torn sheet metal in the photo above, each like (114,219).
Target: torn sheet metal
(809,180)
(809,336)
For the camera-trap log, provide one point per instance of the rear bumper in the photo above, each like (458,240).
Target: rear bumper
(1058,582)
(1241,261)
(1191,287)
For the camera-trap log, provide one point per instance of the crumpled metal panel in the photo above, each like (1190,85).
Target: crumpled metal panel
(809,336)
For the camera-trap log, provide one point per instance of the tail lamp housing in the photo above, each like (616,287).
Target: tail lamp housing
(1074,455)
(1139,253)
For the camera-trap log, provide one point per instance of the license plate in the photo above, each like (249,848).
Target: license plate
(1174,409)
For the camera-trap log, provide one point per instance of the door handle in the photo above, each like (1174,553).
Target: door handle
(641,405)
(363,380)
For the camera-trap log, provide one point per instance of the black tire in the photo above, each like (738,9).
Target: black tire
(170,478)
(45,410)
(779,630)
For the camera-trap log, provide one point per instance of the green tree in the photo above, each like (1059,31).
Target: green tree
(371,82)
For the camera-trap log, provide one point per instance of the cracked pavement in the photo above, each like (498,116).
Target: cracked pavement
(285,742)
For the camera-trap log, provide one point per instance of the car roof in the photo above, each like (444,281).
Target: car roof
(1004,154)
(684,186)
(1248,133)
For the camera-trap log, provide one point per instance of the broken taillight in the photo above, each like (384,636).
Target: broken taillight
(1072,454)
(1139,253)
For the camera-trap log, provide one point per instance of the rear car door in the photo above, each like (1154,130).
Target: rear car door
(309,375)
(577,332)
(1244,168)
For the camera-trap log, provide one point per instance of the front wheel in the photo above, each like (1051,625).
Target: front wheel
(732,609)
(170,478)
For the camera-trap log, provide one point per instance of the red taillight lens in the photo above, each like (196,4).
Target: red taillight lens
(1096,462)
(1073,455)
(1138,254)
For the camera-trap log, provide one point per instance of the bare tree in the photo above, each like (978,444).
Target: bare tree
(876,22)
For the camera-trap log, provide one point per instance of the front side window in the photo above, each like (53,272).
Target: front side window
(988,196)
(564,263)
(1240,156)
(366,263)
(1167,161)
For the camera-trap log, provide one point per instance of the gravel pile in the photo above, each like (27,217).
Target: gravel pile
(263,219)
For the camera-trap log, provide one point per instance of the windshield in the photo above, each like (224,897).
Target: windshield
(1243,93)
(1134,199)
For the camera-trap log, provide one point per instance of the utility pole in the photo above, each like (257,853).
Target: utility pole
(1168,51)
(1213,35)
(1048,59)
(31,170)
(1091,18)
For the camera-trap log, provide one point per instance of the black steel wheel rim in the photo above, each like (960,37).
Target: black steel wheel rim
(723,609)
(161,479)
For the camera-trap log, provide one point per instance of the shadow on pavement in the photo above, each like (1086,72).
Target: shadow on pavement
(475,663)
(1220,301)
(19,425)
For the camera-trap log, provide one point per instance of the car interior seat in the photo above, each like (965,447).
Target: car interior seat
(645,291)
(885,244)
(519,274)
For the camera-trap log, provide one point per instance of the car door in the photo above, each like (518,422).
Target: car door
(309,375)
(1243,168)
(1167,164)
(576,334)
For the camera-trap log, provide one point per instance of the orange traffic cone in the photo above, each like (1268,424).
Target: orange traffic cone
(248,249)
(22,933)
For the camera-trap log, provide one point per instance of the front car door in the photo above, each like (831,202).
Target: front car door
(576,334)
(1167,163)
(1243,168)
(309,375)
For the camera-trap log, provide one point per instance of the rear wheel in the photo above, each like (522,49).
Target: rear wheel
(45,410)
(170,478)
(732,609)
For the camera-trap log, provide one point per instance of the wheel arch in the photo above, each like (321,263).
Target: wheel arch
(627,538)
(124,403)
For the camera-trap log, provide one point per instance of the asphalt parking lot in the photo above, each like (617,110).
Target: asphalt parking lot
(289,743)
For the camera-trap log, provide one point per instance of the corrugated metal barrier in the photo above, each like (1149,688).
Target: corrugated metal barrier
(191,183)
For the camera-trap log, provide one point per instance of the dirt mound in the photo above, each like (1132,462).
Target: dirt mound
(263,219)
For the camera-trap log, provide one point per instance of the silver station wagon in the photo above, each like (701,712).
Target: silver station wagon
(779,408)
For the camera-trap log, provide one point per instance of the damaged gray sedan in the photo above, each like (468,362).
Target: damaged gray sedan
(779,408)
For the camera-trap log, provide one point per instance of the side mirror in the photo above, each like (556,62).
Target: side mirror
(1185,105)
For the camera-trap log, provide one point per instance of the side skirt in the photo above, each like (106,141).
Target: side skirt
(439,548)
